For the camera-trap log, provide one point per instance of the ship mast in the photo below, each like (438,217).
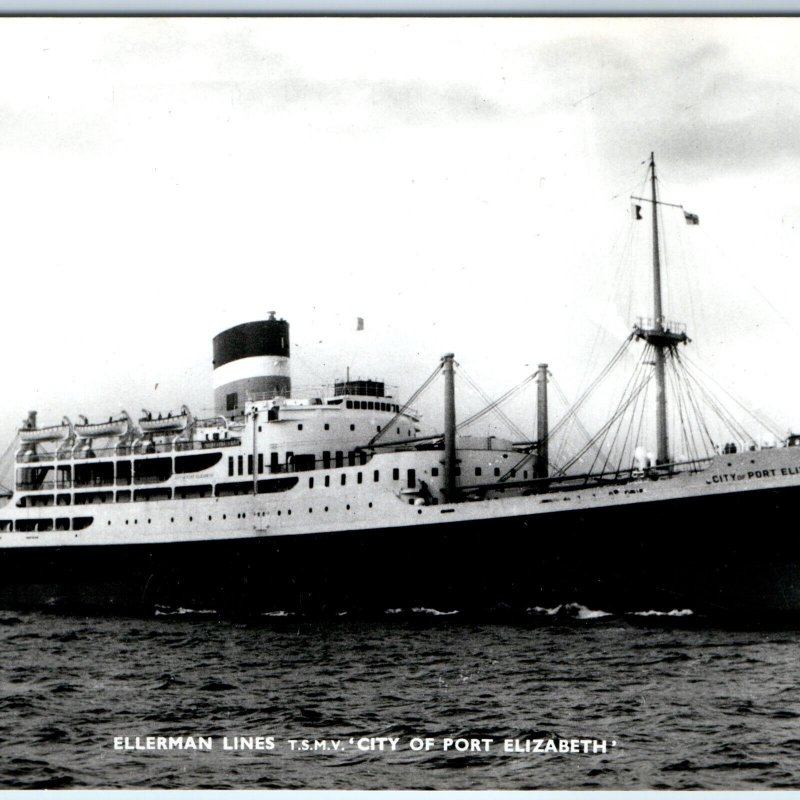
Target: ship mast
(662,436)
(657,333)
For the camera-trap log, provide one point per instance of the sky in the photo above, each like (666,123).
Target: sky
(461,184)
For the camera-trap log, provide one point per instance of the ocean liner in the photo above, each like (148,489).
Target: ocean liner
(337,502)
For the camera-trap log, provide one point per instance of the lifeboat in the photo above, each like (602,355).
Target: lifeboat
(169,424)
(89,430)
(51,433)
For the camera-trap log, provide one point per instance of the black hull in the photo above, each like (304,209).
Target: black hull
(734,554)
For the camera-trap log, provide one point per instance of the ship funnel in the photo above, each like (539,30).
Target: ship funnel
(252,358)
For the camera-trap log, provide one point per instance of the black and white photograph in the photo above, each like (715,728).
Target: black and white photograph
(400,403)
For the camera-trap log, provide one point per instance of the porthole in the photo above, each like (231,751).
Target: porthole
(348,506)
(419,511)
(370,505)
(109,522)
(126,522)
(352,427)
(289,512)
(326,508)
(209,517)
(224,516)
(310,510)
(279,513)
(191,519)
(149,521)
(172,519)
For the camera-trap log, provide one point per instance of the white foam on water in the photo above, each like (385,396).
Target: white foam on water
(172,612)
(434,612)
(581,612)
(676,612)
(571,610)
(550,612)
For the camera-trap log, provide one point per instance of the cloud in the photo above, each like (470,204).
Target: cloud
(699,103)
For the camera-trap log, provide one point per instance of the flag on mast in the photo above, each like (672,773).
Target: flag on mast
(691,219)
(359,323)
(636,211)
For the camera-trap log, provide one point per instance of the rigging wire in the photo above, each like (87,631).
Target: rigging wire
(575,419)
(634,380)
(763,423)
(493,405)
(608,425)
(406,405)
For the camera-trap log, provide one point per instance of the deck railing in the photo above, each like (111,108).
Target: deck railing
(125,451)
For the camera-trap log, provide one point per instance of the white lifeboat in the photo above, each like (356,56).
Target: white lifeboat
(90,430)
(169,424)
(50,433)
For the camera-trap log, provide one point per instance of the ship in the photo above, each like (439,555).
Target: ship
(337,502)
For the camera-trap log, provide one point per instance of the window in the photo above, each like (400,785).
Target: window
(344,479)
(310,483)
(395,474)
(231,401)
(326,459)
(363,405)
(327,426)
(230,466)
(327,480)
(496,472)
(260,463)
(371,405)
(411,476)
(379,428)
(349,403)
(351,458)
(300,426)
(434,472)
(352,427)
(359,477)
(478,471)
(339,458)
(250,465)
(241,464)
(376,475)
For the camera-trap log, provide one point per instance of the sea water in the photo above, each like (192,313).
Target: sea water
(410,701)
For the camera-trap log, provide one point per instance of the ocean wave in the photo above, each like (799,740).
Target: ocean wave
(676,612)
(163,611)
(433,612)
(570,610)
